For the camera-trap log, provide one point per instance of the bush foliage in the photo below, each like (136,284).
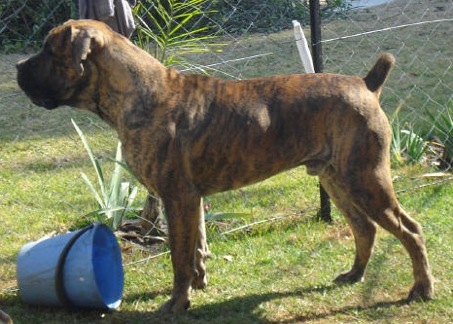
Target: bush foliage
(266,16)
(24,24)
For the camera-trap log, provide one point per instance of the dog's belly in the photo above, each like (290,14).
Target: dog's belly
(247,157)
(236,175)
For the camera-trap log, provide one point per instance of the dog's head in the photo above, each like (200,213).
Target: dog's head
(61,71)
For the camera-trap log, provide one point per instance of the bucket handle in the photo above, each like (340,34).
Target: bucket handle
(59,281)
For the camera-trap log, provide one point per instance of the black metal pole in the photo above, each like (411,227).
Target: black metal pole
(315,27)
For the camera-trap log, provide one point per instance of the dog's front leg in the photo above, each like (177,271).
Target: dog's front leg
(149,218)
(183,217)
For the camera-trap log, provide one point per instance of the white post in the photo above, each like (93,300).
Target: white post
(302,46)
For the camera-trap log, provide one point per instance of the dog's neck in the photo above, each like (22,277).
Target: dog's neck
(120,87)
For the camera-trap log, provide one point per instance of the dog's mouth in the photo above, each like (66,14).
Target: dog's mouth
(36,96)
(46,103)
(35,88)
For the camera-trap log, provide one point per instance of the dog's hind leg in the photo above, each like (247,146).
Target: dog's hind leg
(396,221)
(364,236)
(373,198)
(201,253)
(363,229)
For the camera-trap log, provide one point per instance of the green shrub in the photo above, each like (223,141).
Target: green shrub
(24,24)
(442,129)
(266,16)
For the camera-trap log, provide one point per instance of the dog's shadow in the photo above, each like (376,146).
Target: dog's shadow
(248,307)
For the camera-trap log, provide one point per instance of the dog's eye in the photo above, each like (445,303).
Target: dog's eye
(47,48)
(46,45)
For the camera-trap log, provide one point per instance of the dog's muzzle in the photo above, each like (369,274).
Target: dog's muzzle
(27,84)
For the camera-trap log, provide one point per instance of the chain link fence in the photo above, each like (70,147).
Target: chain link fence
(255,38)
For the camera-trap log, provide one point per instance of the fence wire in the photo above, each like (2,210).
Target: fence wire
(253,39)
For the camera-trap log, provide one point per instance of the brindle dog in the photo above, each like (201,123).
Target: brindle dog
(189,136)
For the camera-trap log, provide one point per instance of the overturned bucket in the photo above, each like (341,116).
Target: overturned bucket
(77,269)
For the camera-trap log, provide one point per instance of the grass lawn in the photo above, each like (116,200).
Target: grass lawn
(279,271)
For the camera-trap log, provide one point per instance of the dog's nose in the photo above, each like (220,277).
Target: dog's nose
(20,64)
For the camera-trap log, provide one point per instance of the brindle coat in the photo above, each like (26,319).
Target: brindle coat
(188,136)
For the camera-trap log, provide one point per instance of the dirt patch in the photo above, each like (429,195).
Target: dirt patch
(7,68)
(403,11)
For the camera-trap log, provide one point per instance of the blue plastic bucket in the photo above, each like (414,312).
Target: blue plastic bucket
(77,269)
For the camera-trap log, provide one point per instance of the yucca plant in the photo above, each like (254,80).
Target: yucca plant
(114,197)
(397,145)
(408,147)
(443,129)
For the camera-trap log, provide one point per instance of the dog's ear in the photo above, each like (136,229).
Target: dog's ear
(84,41)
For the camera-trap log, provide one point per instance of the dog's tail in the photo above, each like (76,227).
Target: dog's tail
(375,79)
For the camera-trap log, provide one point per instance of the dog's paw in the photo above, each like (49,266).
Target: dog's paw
(421,291)
(349,277)
(200,282)
(175,306)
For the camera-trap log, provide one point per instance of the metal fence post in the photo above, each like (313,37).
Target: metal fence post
(315,27)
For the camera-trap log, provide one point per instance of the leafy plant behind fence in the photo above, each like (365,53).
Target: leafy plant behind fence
(408,146)
(170,29)
(25,23)
(442,129)
(251,16)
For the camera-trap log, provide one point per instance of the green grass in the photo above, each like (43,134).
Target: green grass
(279,271)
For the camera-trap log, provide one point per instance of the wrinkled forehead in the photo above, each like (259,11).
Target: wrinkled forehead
(56,32)
(57,39)
(64,33)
